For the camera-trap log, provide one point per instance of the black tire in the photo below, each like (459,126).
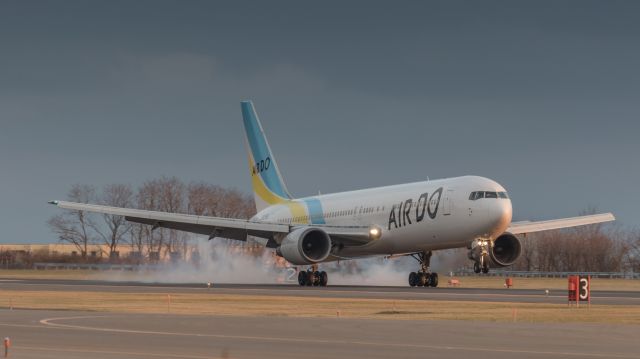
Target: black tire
(485,268)
(413,279)
(311,279)
(302,278)
(476,267)
(433,279)
(324,278)
(316,276)
(423,280)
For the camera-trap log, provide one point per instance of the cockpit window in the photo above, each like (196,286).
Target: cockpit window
(487,194)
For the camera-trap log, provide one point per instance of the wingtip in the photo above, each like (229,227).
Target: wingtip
(54,202)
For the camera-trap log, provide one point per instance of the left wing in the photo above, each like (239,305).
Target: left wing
(231,228)
(529,227)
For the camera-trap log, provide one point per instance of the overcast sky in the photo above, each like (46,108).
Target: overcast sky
(541,96)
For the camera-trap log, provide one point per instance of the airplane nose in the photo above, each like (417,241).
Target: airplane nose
(500,215)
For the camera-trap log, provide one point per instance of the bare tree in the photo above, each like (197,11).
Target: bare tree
(633,254)
(148,198)
(172,199)
(210,200)
(116,195)
(529,251)
(205,199)
(75,227)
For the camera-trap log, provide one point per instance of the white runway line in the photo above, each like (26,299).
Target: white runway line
(49,322)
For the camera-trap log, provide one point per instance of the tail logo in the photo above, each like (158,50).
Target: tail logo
(261,166)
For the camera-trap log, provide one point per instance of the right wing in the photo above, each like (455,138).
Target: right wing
(529,227)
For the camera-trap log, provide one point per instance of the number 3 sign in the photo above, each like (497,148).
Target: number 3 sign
(579,288)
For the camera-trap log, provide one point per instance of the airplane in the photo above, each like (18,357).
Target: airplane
(412,219)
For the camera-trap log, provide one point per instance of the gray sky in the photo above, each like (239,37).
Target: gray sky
(542,96)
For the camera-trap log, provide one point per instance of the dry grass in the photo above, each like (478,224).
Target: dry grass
(545,283)
(256,305)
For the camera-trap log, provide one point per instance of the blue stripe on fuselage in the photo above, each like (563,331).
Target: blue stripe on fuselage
(315,210)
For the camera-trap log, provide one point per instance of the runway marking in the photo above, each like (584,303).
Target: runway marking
(94,351)
(49,322)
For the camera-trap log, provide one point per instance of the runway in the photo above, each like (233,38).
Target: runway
(101,335)
(65,334)
(398,293)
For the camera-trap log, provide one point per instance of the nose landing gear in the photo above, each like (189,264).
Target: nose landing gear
(479,254)
(480,267)
(424,277)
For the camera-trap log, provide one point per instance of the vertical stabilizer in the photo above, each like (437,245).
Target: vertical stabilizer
(268,186)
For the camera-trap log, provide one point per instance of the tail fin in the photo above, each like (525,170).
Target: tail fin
(268,186)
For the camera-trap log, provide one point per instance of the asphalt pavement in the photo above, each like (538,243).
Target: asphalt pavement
(398,293)
(70,335)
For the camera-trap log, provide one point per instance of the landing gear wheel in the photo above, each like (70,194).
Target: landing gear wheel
(324,278)
(316,275)
(302,278)
(424,277)
(311,278)
(413,279)
(476,267)
(423,280)
(485,268)
(433,279)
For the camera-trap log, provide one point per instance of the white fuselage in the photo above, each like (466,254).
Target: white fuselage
(413,217)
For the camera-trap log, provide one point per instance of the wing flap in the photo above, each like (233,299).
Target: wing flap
(530,227)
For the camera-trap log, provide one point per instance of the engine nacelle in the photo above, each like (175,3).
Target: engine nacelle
(305,246)
(505,250)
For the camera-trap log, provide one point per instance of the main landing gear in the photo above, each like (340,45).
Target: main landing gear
(424,277)
(313,277)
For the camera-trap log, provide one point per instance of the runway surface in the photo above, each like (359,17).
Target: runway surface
(398,293)
(65,334)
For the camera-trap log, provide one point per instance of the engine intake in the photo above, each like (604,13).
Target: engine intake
(305,246)
(505,250)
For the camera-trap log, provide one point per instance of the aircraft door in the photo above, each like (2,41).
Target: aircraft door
(447,204)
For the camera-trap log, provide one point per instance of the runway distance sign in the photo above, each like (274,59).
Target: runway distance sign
(579,288)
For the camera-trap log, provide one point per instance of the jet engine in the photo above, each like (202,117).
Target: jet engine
(506,249)
(305,246)
(502,252)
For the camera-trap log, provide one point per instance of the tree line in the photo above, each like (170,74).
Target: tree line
(165,194)
(592,248)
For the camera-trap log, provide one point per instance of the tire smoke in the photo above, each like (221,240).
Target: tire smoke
(219,261)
